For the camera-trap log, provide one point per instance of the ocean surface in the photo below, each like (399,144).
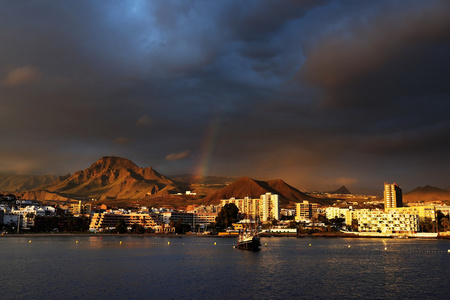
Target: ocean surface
(144,267)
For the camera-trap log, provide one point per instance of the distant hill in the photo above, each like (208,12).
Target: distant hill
(10,183)
(426,194)
(342,190)
(247,187)
(108,178)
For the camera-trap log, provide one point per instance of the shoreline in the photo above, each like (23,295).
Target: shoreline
(265,235)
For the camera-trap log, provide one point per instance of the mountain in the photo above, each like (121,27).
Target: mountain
(20,183)
(342,190)
(248,187)
(108,178)
(427,193)
(289,192)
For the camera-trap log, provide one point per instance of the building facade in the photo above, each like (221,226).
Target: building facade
(108,220)
(265,208)
(305,211)
(428,211)
(80,209)
(392,196)
(248,207)
(201,220)
(269,208)
(387,222)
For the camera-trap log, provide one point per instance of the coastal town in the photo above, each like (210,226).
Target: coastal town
(390,218)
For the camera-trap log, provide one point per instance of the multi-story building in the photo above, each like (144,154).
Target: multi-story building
(286,212)
(108,220)
(353,214)
(265,208)
(269,208)
(248,207)
(204,219)
(392,196)
(203,208)
(193,219)
(80,209)
(336,212)
(428,211)
(306,211)
(387,222)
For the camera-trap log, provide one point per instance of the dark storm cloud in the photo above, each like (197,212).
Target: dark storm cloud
(392,68)
(388,55)
(319,93)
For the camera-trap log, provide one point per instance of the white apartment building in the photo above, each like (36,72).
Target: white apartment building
(265,208)
(269,208)
(336,212)
(247,206)
(387,222)
(108,220)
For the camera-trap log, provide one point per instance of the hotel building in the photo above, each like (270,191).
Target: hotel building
(265,208)
(392,196)
(108,221)
(305,211)
(194,219)
(269,208)
(388,222)
(422,211)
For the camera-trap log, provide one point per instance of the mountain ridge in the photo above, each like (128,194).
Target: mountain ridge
(109,178)
(427,193)
(342,190)
(248,187)
(118,178)
(20,183)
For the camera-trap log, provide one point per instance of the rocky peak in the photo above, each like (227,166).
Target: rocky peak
(113,162)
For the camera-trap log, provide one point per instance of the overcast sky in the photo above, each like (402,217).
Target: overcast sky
(318,93)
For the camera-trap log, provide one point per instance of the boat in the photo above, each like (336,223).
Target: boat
(248,240)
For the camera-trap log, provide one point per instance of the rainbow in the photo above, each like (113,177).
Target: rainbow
(208,147)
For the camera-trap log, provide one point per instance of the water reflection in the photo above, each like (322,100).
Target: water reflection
(199,268)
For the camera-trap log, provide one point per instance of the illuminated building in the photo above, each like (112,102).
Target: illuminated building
(387,222)
(109,220)
(80,209)
(247,207)
(392,196)
(265,208)
(269,207)
(305,211)
(422,211)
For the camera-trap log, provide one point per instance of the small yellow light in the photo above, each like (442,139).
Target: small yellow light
(168,243)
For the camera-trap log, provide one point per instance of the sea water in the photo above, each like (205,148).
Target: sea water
(148,267)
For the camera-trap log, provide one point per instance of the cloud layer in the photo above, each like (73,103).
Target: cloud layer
(319,93)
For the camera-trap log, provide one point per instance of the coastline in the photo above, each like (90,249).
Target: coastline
(265,235)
